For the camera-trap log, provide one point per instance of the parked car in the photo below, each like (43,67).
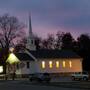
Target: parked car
(80,76)
(40,77)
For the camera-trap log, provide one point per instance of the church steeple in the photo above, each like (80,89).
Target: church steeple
(30,26)
(30,40)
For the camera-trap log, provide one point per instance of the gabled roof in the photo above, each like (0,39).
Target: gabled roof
(43,54)
(54,54)
(23,57)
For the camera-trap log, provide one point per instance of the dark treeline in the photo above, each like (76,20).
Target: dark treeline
(65,41)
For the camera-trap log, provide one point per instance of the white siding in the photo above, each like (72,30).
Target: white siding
(36,66)
(24,69)
(33,68)
(76,66)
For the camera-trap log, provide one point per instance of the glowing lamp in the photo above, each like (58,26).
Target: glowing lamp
(1,69)
(12,59)
(11,49)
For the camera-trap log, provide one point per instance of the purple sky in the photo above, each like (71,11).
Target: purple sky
(51,15)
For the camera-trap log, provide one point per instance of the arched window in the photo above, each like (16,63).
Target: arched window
(70,64)
(57,64)
(43,64)
(50,64)
(64,64)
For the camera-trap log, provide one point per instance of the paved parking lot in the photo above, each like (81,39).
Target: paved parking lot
(61,79)
(64,82)
(61,82)
(67,82)
(26,85)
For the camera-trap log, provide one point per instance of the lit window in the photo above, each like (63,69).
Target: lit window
(1,69)
(57,64)
(70,64)
(50,64)
(43,64)
(64,64)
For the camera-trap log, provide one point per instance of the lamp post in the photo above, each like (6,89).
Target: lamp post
(12,60)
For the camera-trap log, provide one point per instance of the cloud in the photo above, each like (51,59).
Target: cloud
(68,15)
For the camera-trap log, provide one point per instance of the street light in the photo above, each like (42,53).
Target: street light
(12,59)
(11,49)
(1,69)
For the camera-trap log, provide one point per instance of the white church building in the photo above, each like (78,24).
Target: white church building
(50,61)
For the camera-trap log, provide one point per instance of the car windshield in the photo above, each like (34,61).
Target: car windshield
(78,72)
(84,73)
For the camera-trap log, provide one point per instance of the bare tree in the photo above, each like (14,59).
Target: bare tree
(58,43)
(67,41)
(49,42)
(10,30)
(21,45)
(38,42)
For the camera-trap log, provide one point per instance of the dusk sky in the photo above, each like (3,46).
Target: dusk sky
(50,16)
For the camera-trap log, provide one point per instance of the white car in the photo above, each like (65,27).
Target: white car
(80,76)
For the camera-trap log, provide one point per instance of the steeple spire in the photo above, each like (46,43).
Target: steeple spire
(30,40)
(30,26)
